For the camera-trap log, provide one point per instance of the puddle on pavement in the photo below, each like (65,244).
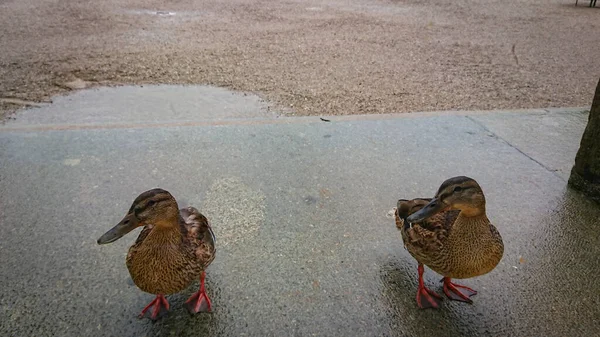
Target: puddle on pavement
(165,13)
(146,104)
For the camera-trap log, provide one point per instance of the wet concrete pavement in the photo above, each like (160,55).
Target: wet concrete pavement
(307,246)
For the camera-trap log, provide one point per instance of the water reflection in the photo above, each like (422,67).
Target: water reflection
(399,279)
(560,275)
(177,321)
(547,281)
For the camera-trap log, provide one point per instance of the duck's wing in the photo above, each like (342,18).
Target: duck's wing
(200,234)
(428,234)
(405,208)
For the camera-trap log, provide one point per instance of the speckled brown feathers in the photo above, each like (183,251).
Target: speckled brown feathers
(165,260)
(429,235)
(200,233)
(457,240)
(173,249)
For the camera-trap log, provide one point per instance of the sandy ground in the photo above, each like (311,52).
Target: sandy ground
(310,57)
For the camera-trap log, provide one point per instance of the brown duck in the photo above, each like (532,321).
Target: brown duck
(452,235)
(173,249)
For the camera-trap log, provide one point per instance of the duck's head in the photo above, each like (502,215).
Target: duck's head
(460,193)
(156,207)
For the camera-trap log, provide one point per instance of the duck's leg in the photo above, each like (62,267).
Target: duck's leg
(199,301)
(457,292)
(425,297)
(160,304)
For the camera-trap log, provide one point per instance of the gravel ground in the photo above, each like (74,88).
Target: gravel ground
(309,57)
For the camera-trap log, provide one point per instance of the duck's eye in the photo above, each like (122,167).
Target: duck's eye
(151,203)
(457,189)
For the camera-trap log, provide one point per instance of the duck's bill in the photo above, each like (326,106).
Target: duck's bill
(432,208)
(126,225)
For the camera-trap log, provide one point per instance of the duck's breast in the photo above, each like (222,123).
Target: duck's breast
(162,269)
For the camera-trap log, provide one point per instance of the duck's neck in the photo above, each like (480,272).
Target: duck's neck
(166,232)
(473,224)
(473,212)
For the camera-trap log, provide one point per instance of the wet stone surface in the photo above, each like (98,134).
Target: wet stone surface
(301,211)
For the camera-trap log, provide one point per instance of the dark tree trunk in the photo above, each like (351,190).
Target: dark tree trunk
(585,175)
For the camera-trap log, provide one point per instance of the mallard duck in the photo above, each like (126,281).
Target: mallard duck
(452,235)
(173,249)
